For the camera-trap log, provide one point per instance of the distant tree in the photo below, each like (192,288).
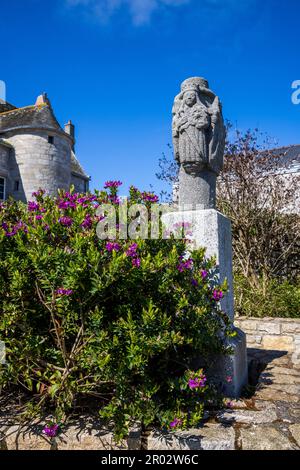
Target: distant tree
(260,197)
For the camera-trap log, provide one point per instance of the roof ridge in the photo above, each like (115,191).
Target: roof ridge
(31,106)
(286,147)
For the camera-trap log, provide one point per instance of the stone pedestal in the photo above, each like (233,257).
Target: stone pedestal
(194,188)
(212,230)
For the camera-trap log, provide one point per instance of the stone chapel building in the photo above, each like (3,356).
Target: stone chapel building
(35,152)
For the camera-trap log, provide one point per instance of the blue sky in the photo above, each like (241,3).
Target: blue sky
(114,67)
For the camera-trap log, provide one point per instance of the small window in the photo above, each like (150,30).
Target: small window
(50,139)
(2,188)
(17,185)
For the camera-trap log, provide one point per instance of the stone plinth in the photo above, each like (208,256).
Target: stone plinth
(232,370)
(212,230)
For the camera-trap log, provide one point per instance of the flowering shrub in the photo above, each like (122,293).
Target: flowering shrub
(114,321)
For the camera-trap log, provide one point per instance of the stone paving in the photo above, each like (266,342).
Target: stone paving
(268,420)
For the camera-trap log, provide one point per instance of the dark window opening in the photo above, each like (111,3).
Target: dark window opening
(2,188)
(50,139)
(16,185)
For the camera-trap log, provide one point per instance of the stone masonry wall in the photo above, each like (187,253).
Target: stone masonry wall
(79,184)
(4,153)
(38,163)
(278,334)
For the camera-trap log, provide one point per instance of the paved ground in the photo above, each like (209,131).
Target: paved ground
(269,420)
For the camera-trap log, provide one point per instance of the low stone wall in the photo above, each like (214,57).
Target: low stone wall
(87,433)
(278,334)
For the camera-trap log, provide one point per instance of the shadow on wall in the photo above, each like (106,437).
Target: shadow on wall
(15,185)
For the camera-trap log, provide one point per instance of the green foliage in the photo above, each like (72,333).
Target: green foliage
(84,318)
(271,298)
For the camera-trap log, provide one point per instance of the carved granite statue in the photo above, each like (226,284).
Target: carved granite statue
(199,140)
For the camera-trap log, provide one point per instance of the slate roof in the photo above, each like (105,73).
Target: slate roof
(76,168)
(289,158)
(40,116)
(5,106)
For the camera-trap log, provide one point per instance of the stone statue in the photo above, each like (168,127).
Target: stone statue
(198,140)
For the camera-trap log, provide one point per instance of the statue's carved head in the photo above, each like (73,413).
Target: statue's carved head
(190,98)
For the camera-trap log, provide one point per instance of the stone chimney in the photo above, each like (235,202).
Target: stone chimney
(70,129)
(42,100)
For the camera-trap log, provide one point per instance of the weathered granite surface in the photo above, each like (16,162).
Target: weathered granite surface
(198,140)
(212,230)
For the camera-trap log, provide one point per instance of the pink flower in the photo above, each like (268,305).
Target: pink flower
(132,250)
(204,274)
(51,430)
(33,206)
(149,197)
(114,199)
(62,291)
(197,382)
(66,221)
(176,422)
(112,184)
(38,193)
(183,265)
(136,262)
(87,223)
(110,246)
(217,295)
(229,378)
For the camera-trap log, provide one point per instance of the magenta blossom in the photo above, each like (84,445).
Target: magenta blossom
(66,221)
(217,295)
(204,273)
(38,193)
(51,430)
(112,184)
(20,226)
(62,291)
(229,379)
(110,246)
(183,265)
(66,204)
(114,199)
(149,197)
(197,382)
(87,223)
(33,206)
(136,262)
(175,423)
(132,250)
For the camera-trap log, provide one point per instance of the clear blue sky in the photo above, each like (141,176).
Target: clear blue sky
(114,66)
